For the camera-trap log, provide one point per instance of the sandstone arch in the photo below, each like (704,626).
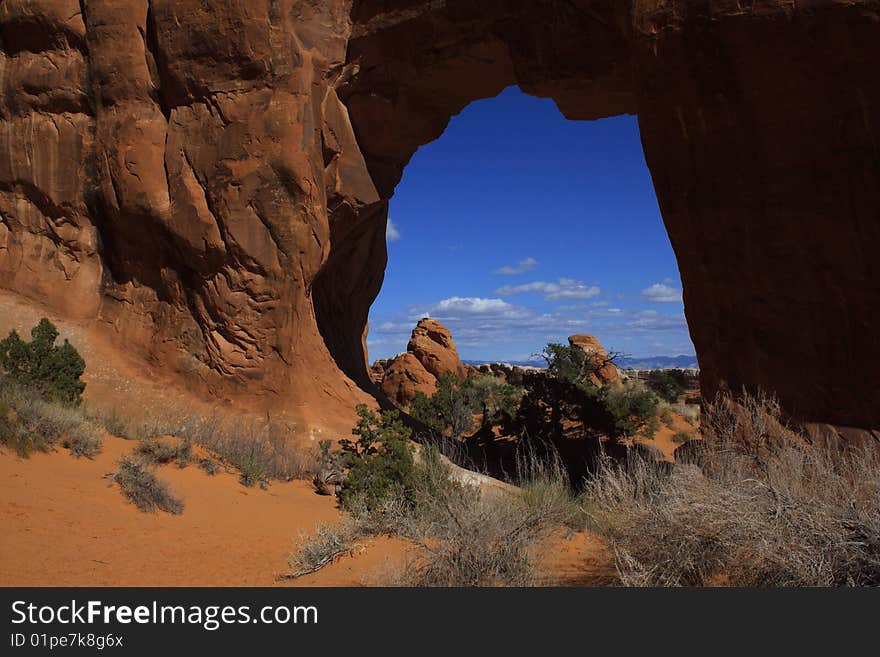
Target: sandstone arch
(209,180)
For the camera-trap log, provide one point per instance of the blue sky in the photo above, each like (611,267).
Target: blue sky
(518,227)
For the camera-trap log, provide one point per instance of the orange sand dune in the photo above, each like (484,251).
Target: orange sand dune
(66,524)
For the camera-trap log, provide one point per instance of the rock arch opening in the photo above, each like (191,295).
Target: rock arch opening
(763,190)
(258,145)
(518,227)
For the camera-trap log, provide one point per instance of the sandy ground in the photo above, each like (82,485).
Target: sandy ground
(66,524)
(663,438)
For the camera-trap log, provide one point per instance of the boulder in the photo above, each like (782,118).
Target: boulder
(431,343)
(606,374)
(404,377)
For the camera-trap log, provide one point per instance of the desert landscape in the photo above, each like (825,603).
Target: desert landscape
(201,385)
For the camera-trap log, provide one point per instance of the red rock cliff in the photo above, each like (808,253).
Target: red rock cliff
(210,179)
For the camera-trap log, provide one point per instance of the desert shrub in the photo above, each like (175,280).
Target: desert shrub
(210,466)
(423,409)
(451,409)
(379,462)
(465,538)
(690,413)
(29,423)
(113,421)
(766,508)
(631,406)
(260,449)
(460,537)
(84,440)
(53,371)
(495,399)
(667,384)
(252,466)
(682,436)
(665,415)
(161,452)
(138,482)
(323,546)
(572,364)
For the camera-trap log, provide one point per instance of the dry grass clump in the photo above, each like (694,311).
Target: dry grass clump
(460,536)
(322,547)
(160,452)
(690,412)
(29,423)
(757,506)
(261,449)
(682,437)
(138,482)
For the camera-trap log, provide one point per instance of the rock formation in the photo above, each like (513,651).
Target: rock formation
(431,343)
(404,377)
(209,181)
(430,353)
(606,372)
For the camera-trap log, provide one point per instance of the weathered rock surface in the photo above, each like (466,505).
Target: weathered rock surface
(430,353)
(606,372)
(210,180)
(404,377)
(431,343)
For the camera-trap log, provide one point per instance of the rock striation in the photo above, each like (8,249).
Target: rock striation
(209,182)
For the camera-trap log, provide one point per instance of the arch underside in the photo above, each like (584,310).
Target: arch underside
(763,148)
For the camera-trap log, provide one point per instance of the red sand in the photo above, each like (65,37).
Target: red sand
(65,523)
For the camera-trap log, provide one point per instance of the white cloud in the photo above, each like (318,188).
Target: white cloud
(471,306)
(661,293)
(392,234)
(520,267)
(564,288)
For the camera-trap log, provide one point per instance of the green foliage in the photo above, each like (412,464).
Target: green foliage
(43,366)
(497,399)
(572,364)
(668,384)
(568,363)
(253,467)
(632,407)
(452,407)
(425,411)
(379,461)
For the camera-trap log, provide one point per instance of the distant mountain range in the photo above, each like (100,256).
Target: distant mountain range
(658,363)
(627,363)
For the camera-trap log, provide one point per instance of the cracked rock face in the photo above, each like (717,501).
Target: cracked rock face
(209,180)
